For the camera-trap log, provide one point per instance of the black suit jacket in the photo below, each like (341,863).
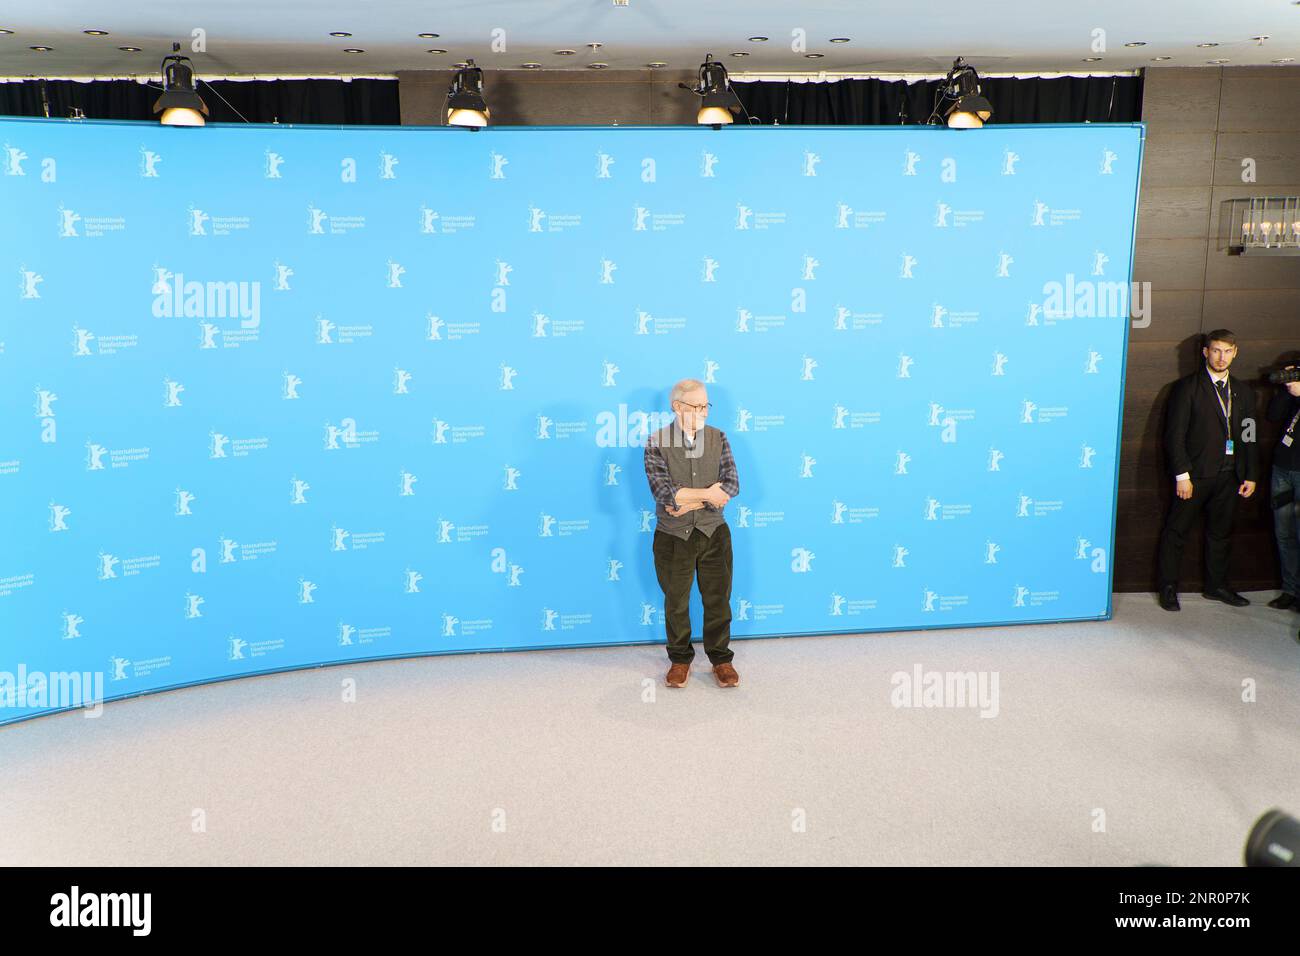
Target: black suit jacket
(1195,431)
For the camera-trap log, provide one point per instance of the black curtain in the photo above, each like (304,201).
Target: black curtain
(1067,99)
(335,102)
(358,102)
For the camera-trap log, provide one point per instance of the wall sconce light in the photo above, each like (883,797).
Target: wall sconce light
(1264,226)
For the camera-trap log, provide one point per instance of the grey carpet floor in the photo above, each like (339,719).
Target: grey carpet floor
(1119,743)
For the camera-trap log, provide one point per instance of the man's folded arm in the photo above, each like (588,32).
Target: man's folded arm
(727,477)
(661,482)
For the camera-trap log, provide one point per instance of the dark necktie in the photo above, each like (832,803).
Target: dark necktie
(1222,386)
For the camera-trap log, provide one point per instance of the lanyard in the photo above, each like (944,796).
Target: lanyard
(1290,429)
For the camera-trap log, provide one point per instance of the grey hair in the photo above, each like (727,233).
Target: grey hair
(684,386)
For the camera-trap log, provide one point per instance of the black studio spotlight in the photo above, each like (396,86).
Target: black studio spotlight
(717,99)
(180,103)
(969,109)
(465,106)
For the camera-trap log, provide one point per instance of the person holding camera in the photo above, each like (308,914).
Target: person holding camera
(1284,406)
(1213,459)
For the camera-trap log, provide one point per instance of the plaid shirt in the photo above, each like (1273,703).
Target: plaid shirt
(665,489)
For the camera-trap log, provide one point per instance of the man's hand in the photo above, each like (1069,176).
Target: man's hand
(1247,489)
(1293,387)
(682,509)
(715,496)
(1184,488)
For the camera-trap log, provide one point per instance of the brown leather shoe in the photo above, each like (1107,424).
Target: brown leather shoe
(726,675)
(677,675)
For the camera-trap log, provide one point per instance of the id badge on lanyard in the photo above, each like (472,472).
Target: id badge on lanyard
(1290,431)
(1227,416)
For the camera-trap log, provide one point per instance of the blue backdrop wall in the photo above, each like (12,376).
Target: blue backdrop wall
(275,397)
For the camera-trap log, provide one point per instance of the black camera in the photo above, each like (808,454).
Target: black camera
(1284,376)
(1274,840)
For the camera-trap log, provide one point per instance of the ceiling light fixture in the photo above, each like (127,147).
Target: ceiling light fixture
(718,100)
(969,109)
(465,104)
(180,103)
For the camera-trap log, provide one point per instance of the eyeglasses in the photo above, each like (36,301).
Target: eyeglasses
(696,408)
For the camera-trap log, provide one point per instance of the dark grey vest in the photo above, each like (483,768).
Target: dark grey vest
(695,467)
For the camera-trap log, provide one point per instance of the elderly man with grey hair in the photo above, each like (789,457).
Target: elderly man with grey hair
(692,476)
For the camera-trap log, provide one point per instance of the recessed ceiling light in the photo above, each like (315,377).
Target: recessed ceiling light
(129,49)
(656,65)
(764,39)
(1091,59)
(1262,38)
(1204,45)
(1137,43)
(595,45)
(565,52)
(741,53)
(340,33)
(460,66)
(435,51)
(7,32)
(531,66)
(353,49)
(95,33)
(1285,59)
(839,39)
(41,49)
(813,56)
(597,66)
(1216,62)
(1155,58)
(428,36)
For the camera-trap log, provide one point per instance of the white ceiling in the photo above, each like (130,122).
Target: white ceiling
(292,36)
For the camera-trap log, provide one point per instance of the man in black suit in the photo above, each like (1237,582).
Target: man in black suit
(1213,459)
